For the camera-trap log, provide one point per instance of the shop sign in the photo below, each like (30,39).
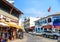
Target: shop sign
(7,19)
(56,23)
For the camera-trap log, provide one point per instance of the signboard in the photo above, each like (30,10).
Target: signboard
(56,23)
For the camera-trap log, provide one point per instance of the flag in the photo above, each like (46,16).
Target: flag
(49,9)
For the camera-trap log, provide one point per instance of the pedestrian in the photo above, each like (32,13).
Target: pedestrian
(20,33)
(3,38)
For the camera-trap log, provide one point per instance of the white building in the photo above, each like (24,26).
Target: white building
(29,23)
(48,23)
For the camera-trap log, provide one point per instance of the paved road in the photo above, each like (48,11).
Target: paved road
(33,38)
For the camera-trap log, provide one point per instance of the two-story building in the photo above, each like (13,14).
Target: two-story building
(51,22)
(9,18)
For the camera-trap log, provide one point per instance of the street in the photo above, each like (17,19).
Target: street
(33,38)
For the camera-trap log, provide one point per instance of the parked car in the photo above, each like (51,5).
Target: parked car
(48,34)
(56,35)
(52,34)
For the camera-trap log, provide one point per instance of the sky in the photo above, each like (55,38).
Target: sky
(37,8)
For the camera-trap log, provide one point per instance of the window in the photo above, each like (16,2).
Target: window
(45,21)
(38,28)
(3,7)
(45,29)
(14,13)
(41,28)
(49,20)
(36,23)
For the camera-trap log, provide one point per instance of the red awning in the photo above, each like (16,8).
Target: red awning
(32,27)
(47,26)
(56,26)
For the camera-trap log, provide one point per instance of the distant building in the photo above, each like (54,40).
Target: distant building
(29,23)
(48,23)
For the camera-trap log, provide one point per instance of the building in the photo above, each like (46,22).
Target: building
(48,23)
(9,18)
(21,24)
(29,23)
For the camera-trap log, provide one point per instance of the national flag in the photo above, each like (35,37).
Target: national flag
(49,9)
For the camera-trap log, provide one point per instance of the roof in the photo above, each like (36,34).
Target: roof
(9,4)
(56,13)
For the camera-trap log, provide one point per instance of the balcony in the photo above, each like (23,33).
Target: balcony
(7,14)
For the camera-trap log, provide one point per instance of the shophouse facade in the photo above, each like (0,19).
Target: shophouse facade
(9,18)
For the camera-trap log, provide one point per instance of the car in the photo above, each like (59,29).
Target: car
(48,34)
(56,35)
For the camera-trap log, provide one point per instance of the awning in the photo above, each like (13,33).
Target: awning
(16,26)
(21,27)
(56,26)
(47,26)
(32,27)
(12,25)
